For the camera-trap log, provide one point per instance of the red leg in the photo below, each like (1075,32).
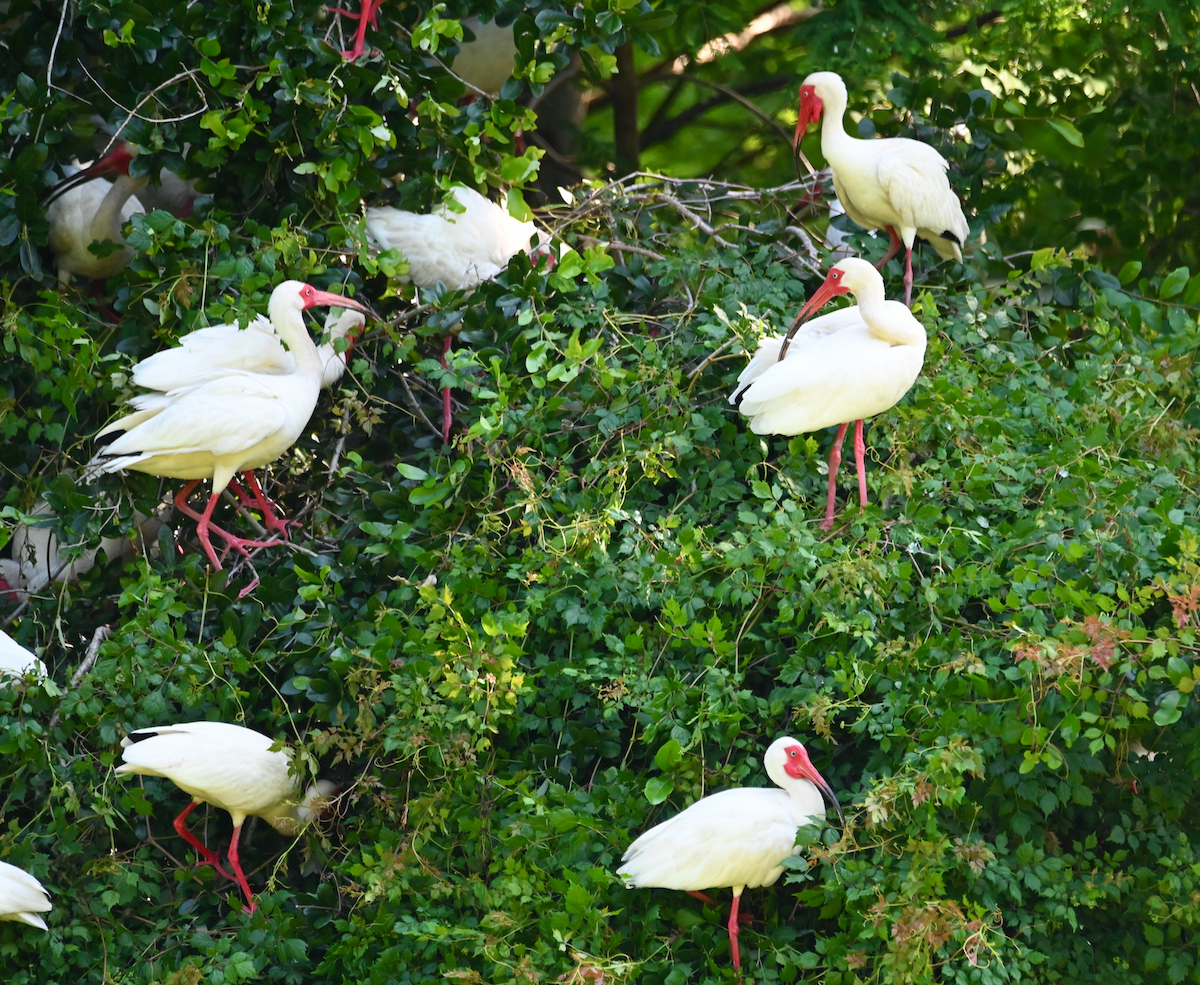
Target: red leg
(835,460)
(701,896)
(893,248)
(204,524)
(207,857)
(908,279)
(733,930)
(368,17)
(446,414)
(271,521)
(237,868)
(860,452)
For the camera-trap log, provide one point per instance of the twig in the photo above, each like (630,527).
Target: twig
(89,658)
(618,246)
(711,357)
(694,219)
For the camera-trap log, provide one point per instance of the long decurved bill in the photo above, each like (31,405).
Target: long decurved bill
(830,288)
(811,774)
(116,162)
(333,301)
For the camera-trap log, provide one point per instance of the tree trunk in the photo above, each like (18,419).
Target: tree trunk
(625,111)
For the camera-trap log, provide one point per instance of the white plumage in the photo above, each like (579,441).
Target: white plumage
(230,767)
(736,838)
(84,209)
(460,249)
(22,897)
(845,366)
(893,183)
(16,661)
(228,421)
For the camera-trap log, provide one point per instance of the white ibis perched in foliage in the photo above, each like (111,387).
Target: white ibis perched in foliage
(736,838)
(231,421)
(461,249)
(230,767)
(22,897)
(84,209)
(16,661)
(892,183)
(845,366)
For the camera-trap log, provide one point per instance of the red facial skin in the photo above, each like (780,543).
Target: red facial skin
(810,112)
(799,766)
(312,297)
(830,288)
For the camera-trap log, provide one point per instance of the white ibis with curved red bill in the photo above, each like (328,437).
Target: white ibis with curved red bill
(891,183)
(231,767)
(231,421)
(845,366)
(737,838)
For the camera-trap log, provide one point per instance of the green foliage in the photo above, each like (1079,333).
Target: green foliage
(606,597)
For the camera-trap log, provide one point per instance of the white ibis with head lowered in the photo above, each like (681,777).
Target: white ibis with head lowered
(737,838)
(230,767)
(893,183)
(85,208)
(22,897)
(845,366)
(229,422)
(458,249)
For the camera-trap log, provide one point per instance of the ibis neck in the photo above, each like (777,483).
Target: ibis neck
(108,220)
(834,139)
(289,326)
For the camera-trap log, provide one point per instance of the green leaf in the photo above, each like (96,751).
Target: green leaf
(669,755)
(658,788)
(411,471)
(1130,271)
(1067,129)
(1174,283)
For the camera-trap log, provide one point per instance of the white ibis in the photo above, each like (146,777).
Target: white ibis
(736,838)
(22,897)
(230,767)
(37,558)
(84,209)
(16,661)
(892,183)
(213,351)
(459,249)
(229,422)
(845,366)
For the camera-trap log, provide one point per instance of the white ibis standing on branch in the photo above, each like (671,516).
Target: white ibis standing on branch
(16,661)
(230,767)
(229,422)
(892,183)
(459,249)
(736,838)
(22,897)
(845,366)
(84,209)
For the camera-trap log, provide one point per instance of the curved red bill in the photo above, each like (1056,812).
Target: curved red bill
(799,765)
(115,163)
(830,288)
(312,298)
(810,112)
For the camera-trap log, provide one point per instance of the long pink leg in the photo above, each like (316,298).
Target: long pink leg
(207,857)
(270,520)
(733,930)
(835,460)
(908,279)
(181,504)
(251,906)
(232,540)
(893,248)
(446,418)
(368,16)
(860,453)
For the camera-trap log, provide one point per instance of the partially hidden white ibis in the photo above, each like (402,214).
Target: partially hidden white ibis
(22,897)
(16,661)
(737,838)
(891,183)
(230,767)
(459,249)
(85,208)
(231,421)
(845,366)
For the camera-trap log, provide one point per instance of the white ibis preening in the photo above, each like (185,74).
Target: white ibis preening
(736,838)
(892,183)
(229,422)
(459,249)
(230,767)
(16,661)
(845,366)
(22,897)
(84,209)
